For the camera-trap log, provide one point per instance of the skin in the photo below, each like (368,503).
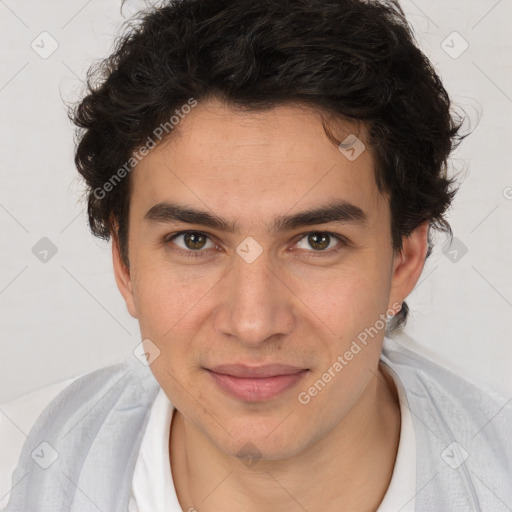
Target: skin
(294,304)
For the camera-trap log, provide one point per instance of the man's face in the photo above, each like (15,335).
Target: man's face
(267,291)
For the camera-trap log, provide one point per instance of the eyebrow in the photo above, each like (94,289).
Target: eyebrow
(340,211)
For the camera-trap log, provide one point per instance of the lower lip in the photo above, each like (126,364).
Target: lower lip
(256,390)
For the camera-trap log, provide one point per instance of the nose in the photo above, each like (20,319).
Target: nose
(255,305)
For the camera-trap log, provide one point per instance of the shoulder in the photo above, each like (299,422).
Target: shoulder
(426,377)
(459,426)
(57,402)
(17,416)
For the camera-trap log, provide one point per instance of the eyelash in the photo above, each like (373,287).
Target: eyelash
(201,253)
(189,253)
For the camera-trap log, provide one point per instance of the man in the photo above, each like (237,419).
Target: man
(269,173)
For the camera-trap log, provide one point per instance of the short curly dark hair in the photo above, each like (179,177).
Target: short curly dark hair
(355,59)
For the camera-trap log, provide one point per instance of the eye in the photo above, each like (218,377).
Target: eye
(320,241)
(191,241)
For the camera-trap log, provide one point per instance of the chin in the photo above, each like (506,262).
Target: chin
(253,450)
(267,440)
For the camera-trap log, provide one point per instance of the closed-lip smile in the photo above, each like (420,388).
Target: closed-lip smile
(256,383)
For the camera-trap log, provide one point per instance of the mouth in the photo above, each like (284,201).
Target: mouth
(256,384)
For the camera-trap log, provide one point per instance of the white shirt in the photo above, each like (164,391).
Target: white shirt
(152,486)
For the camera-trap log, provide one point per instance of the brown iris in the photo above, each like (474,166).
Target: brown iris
(194,240)
(318,240)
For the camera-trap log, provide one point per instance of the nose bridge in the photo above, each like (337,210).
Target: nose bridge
(255,304)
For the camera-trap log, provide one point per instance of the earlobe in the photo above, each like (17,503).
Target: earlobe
(123,278)
(408,264)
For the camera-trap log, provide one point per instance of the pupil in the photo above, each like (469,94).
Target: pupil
(318,240)
(194,240)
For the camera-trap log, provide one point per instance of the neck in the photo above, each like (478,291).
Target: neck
(349,469)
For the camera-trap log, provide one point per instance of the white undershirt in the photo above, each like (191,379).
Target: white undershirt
(153,488)
(400,496)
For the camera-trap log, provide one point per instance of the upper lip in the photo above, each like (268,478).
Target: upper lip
(257,372)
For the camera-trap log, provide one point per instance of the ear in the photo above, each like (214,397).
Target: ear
(123,278)
(408,264)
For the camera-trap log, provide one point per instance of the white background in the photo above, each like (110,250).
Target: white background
(66,316)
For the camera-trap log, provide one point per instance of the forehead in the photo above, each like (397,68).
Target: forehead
(256,163)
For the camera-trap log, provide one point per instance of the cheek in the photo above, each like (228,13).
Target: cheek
(167,299)
(169,312)
(351,352)
(345,298)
